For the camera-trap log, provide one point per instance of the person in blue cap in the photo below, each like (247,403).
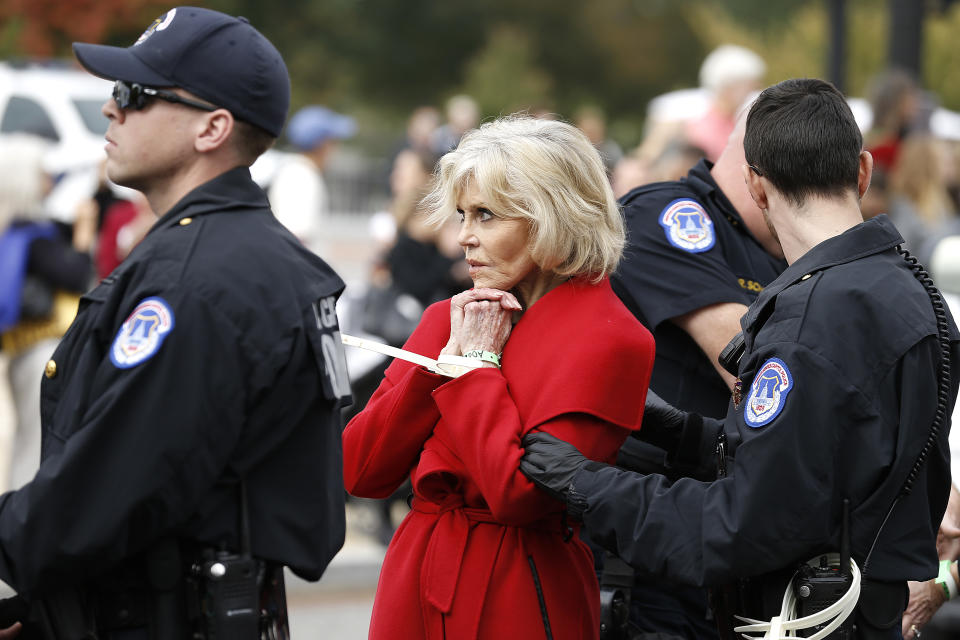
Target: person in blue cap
(298,193)
(191,414)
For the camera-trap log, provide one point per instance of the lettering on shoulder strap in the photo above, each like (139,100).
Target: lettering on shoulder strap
(334,361)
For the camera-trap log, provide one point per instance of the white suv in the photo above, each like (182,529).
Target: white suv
(55,101)
(61,103)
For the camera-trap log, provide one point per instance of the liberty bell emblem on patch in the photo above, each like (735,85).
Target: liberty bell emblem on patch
(688,226)
(768,393)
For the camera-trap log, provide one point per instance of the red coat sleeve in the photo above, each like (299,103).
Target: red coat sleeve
(382,443)
(482,426)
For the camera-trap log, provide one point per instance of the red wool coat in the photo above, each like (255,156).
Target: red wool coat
(484,553)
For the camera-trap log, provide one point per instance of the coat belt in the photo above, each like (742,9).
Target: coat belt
(445,550)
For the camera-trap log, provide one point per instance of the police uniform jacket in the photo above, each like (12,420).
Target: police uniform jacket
(209,355)
(484,553)
(839,392)
(688,248)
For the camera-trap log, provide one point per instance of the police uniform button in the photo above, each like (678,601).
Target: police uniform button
(51,369)
(185,222)
(806,277)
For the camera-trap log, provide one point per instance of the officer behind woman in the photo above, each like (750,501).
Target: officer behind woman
(191,431)
(840,385)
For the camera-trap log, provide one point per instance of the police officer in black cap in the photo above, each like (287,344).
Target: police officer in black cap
(191,423)
(699,253)
(846,396)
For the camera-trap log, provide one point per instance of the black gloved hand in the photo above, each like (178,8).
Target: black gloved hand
(13,610)
(551,463)
(662,423)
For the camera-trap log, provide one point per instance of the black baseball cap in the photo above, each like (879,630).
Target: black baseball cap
(217,57)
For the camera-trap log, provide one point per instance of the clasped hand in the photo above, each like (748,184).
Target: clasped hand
(481,320)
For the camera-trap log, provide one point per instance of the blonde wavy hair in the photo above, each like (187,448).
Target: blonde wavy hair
(543,171)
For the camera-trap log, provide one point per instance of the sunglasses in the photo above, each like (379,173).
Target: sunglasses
(130,95)
(755,170)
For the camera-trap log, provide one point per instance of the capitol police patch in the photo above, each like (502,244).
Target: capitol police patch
(688,226)
(142,333)
(768,393)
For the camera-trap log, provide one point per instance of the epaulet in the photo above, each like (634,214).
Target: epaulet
(636,192)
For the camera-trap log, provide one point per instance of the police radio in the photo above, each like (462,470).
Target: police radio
(819,586)
(229,588)
(730,357)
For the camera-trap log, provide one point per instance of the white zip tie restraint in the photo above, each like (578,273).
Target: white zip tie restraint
(786,625)
(447,365)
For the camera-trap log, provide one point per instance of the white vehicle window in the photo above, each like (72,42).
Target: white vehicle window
(28,116)
(91,115)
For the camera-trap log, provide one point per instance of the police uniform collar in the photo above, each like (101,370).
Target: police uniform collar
(873,236)
(701,180)
(232,190)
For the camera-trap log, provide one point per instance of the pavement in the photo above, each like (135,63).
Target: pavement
(339,605)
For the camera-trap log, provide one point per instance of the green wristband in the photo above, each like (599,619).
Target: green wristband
(486,356)
(946,581)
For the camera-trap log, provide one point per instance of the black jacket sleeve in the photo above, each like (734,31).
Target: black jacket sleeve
(137,461)
(782,501)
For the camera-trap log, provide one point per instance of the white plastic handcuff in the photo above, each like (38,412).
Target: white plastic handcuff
(447,365)
(786,625)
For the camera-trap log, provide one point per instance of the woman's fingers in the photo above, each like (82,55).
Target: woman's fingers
(486,326)
(507,300)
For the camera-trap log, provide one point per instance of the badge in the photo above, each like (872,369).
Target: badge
(688,226)
(737,393)
(768,393)
(159,24)
(142,333)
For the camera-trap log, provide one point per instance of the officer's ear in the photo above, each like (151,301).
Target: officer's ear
(865,172)
(755,185)
(213,130)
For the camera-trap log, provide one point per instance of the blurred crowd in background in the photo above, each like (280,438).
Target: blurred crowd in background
(64,226)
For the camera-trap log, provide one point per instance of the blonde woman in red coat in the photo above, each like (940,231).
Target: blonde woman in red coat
(483,553)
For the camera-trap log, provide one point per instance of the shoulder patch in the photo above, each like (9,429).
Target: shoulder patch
(688,226)
(768,393)
(142,333)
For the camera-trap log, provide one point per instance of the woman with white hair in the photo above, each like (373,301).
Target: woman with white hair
(41,277)
(547,347)
(730,74)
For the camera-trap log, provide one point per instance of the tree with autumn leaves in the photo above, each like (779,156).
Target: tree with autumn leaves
(378,59)
(46,28)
